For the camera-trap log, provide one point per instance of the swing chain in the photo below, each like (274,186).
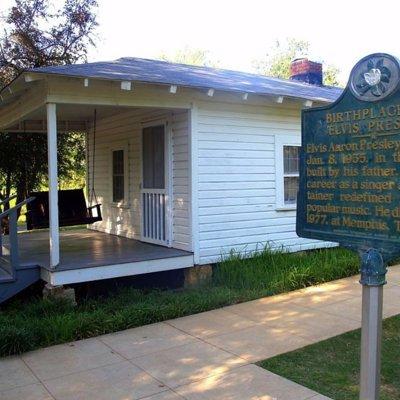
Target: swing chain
(92,194)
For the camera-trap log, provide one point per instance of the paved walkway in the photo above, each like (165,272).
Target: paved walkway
(201,357)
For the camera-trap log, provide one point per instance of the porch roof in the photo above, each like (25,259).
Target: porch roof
(162,72)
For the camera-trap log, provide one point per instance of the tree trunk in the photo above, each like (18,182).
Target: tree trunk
(21,191)
(7,188)
(6,206)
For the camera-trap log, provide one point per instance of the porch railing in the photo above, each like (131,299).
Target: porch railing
(3,203)
(12,214)
(154,215)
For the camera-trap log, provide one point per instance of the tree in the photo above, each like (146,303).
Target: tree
(277,61)
(37,35)
(191,56)
(331,76)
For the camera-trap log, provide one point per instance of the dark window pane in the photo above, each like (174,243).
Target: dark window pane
(118,176)
(291,185)
(118,188)
(290,159)
(118,162)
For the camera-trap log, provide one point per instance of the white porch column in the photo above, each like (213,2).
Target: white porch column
(194,180)
(53,184)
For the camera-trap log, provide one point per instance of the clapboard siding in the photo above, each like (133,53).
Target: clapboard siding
(237,184)
(235,180)
(181,174)
(126,128)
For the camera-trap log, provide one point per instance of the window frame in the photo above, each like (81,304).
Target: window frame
(124,203)
(280,142)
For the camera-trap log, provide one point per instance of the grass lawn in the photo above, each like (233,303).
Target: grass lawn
(332,367)
(37,323)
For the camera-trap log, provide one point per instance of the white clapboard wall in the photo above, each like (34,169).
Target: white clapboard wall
(237,203)
(125,128)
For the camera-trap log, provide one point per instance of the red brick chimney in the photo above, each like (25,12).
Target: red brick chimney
(304,70)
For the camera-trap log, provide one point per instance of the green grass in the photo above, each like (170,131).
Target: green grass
(37,323)
(332,367)
(276,272)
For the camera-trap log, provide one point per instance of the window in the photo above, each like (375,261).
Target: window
(118,176)
(287,151)
(290,174)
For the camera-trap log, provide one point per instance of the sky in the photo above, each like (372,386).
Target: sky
(237,32)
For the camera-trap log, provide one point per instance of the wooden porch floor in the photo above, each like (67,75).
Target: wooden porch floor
(84,248)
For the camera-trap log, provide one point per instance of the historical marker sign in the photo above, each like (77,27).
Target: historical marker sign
(350,161)
(350,187)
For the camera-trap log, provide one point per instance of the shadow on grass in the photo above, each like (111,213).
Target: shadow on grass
(331,367)
(32,323)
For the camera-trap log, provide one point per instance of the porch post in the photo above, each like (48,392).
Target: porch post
(53,184)
(194,180)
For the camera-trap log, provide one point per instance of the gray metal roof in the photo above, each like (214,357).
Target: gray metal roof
(163,72)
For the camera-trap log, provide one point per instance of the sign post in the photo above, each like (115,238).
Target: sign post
(349,189)
(373,273)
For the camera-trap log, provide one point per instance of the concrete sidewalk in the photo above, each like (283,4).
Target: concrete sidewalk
(199,357)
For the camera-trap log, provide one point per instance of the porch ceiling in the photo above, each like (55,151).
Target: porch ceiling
(70,117)
(75,112)
(25,100)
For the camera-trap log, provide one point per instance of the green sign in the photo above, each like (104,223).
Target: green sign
(350,162)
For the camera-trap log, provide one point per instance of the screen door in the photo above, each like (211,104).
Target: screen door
(154,190)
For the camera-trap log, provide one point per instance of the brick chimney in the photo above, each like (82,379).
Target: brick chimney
(304,70)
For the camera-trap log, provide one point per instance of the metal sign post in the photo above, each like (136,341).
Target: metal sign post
(373,277)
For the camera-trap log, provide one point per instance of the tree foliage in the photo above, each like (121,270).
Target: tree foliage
(35,35)
(191,56)
(277,61)
(331,75)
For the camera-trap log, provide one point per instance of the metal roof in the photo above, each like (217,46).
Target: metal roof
(163,72)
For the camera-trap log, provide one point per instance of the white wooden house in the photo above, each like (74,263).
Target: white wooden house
(189,163)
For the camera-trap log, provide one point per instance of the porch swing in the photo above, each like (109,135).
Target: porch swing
(72,208)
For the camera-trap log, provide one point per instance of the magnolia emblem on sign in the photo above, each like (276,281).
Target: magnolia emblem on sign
(375,78)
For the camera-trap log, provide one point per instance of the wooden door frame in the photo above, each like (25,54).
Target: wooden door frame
(168,177)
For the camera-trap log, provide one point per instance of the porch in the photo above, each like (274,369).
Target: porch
(87,255)
(138,170)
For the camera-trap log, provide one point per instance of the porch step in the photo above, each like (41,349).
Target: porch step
(5,276)
(6,265)
(24,277)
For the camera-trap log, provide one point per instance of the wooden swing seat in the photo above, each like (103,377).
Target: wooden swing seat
(72,209)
